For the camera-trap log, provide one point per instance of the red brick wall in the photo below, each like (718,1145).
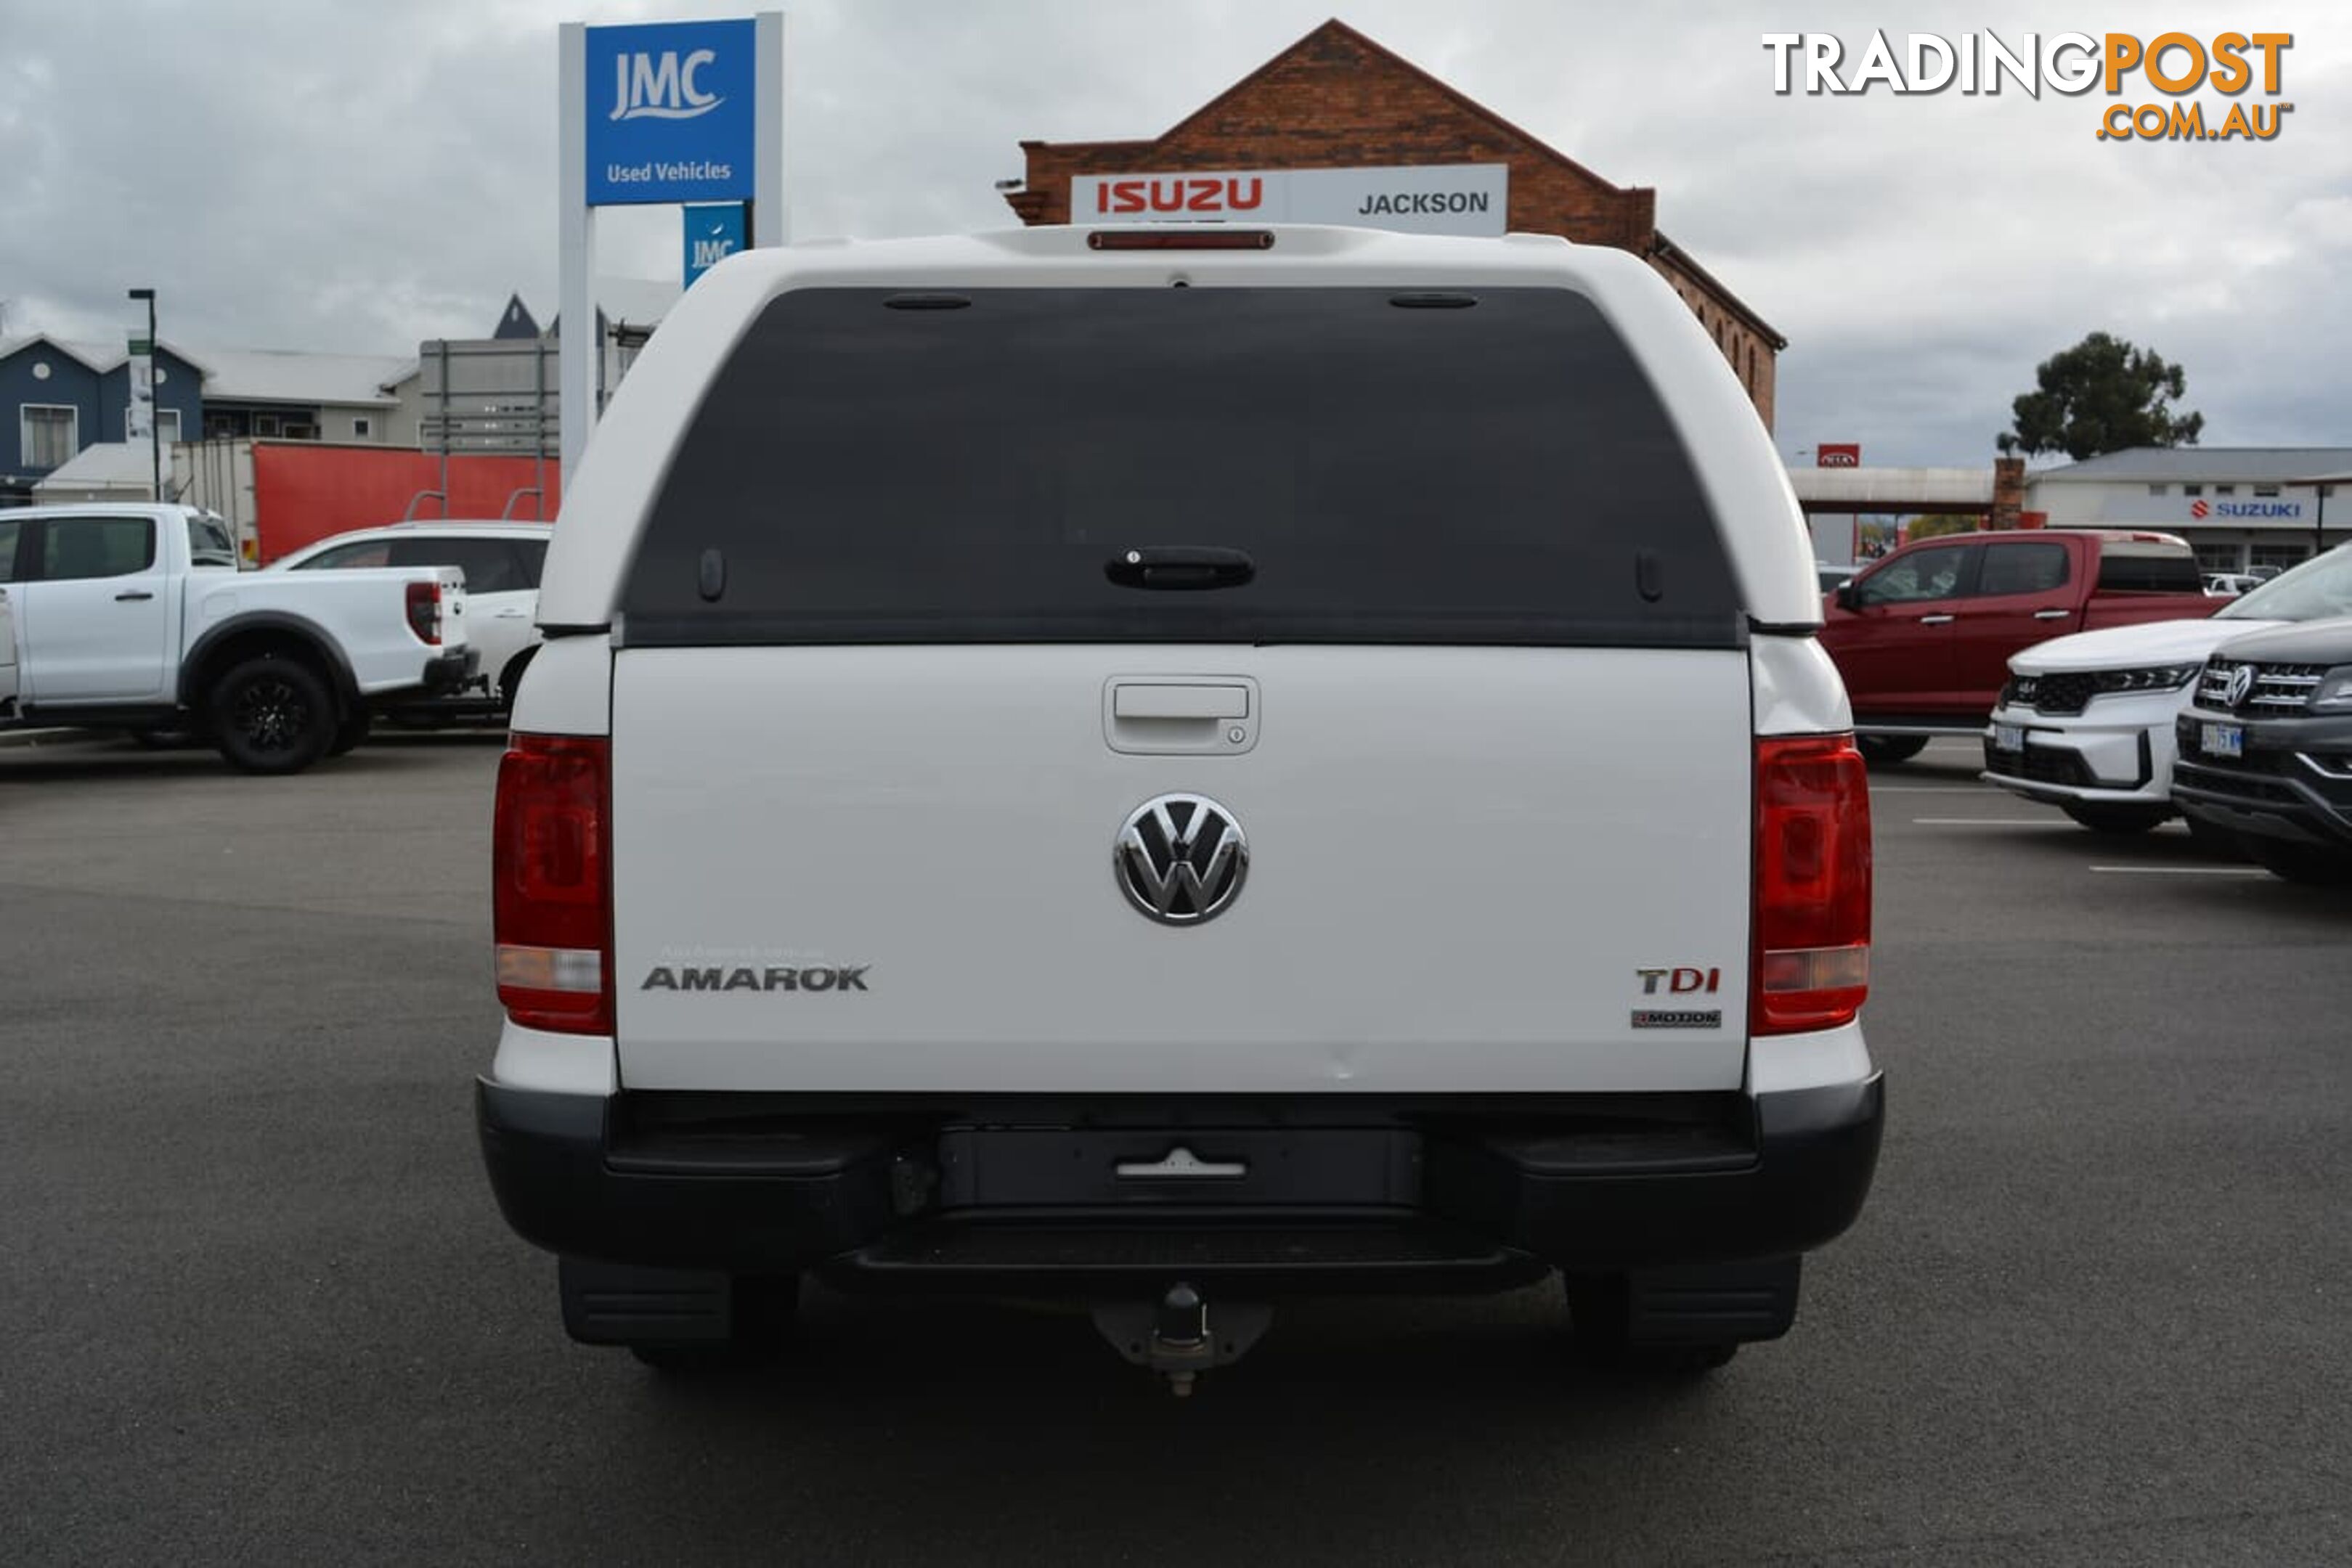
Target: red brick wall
(1335,100)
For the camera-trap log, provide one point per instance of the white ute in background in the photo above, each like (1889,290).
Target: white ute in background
(501,560)
(135,618)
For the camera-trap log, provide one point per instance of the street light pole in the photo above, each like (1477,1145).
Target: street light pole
(154,425)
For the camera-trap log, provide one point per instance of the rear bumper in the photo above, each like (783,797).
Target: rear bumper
(1432,1195)
(450,672)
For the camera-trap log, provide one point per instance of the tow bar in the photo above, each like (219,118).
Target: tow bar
(1177,1337)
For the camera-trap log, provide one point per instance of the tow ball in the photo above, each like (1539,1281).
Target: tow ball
(1178,1337)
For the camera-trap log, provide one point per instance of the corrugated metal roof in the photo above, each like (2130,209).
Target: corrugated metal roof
(107,463)
(254,375)
(264,375)
(2227,464)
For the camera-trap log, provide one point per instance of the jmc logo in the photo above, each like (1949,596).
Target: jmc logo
(647,86)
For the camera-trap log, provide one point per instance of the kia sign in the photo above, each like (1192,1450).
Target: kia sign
(670,112)
(1437,199)
(1838,454)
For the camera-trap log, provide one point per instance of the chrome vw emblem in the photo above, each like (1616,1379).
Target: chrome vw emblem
(1181,859)
(2240,687)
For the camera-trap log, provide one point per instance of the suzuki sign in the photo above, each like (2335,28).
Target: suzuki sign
(670,112)
(1438,199)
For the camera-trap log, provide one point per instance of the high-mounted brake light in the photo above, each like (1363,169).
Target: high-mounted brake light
(424,611)
(1813,884)
(1200,238)
(551,861)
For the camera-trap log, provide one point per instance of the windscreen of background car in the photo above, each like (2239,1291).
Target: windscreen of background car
(2315,590)
(1492,468)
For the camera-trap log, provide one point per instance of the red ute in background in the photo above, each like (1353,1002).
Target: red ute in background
(1923,637)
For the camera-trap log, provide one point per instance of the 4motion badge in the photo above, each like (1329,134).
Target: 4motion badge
(1679,982)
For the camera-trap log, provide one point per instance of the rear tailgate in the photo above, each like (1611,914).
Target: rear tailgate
(1474,689)
(1460,863)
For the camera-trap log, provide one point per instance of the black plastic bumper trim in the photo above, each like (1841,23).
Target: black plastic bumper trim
(575,1178)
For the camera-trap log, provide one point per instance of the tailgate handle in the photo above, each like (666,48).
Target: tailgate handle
(1180,567)
(1136,700)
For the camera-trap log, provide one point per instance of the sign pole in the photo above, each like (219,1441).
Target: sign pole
(768,131)
(576,311)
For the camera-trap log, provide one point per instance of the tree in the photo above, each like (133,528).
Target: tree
(1934,525)
(2101,395)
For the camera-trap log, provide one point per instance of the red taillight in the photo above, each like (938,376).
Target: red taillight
(1202,237)
(1813,884)
(551,908)
(424,611)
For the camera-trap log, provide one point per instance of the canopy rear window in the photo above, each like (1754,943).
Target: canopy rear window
(2137,567)
(1488,465)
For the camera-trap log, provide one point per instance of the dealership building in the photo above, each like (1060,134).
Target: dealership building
(1337,128)
(2242,506)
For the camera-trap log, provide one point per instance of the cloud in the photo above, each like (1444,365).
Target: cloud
(356,176)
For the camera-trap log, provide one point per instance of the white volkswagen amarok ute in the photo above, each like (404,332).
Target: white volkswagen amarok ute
(1176,768)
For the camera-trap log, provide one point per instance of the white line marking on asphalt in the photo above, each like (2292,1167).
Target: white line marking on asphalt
(1931,789)
(1988,823)
(2184,869)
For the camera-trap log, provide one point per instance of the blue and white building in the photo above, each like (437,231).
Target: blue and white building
(59,398)
(2242,506)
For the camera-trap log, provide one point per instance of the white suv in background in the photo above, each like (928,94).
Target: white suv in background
(2085,723)
(501,561)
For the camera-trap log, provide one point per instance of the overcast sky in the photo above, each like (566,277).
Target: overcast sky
(359,174)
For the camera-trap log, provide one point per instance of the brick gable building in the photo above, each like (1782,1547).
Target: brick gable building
(1335,100)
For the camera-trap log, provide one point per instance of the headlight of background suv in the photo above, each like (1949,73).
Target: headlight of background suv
(2155,678)
(2334,692)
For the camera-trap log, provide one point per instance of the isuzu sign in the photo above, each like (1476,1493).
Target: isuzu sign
(671,111)
(1443,199)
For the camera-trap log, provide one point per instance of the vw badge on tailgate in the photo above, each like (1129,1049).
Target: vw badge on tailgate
(1181,859)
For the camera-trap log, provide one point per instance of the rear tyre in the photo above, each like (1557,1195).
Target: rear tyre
(2108,817)
(1886,751)
(765,1311)
(1599,1320)
(351,732)
(2312,865)
(272,715)
(511,678)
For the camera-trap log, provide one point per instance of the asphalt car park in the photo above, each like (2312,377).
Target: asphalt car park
(261,1307)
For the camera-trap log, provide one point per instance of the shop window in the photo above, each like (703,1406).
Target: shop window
(2266,489)
(2159,489)
(2192,489)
